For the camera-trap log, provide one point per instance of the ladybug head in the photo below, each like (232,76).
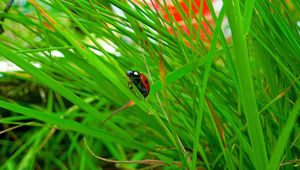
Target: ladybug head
(140,81)
(131,73)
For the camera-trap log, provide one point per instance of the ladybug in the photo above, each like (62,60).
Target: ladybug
(140,81)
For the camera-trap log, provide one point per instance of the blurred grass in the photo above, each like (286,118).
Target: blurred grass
(250,81)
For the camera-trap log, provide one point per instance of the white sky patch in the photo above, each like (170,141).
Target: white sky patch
(226,28)
(56,53)
(118,54)
(218,4)
(121,13)
(118,11)
(298,23)
(7,66)
(97,52)
(107,46)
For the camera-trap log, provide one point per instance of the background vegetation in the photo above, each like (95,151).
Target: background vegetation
(215,102)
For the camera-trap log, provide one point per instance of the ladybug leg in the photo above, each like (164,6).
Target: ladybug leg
(130,86)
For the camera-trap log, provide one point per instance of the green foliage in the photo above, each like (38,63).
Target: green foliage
(216,102)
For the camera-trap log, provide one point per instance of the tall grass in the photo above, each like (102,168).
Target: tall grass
(216,101)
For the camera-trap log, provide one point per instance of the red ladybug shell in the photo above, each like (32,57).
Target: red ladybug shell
(145,83)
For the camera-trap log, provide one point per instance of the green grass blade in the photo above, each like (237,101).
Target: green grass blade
(284,137)
(246,87)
